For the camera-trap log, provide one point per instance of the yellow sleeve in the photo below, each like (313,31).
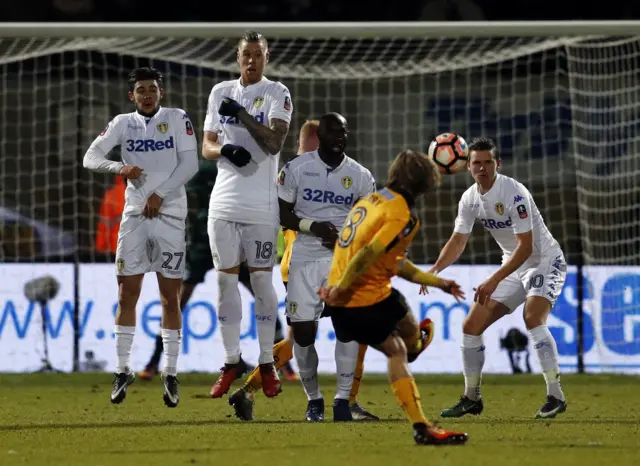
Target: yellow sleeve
(410,272)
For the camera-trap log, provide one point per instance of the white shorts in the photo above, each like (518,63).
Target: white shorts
(232,243)
(305,279)
(546,280)
(151,245)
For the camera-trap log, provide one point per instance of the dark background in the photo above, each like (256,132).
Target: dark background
(564,115)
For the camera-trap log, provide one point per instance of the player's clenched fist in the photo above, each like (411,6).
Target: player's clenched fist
(327,232)
(229,107)
(131,172)
(152,207)
(237,155)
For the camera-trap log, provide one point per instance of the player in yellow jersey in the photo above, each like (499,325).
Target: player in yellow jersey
(242,399)
(360,300)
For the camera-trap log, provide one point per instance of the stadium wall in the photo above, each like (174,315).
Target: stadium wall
(611,336)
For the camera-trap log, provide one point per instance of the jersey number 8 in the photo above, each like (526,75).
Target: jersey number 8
(348,232)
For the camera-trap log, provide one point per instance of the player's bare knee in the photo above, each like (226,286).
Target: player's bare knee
(260,269)
(471,325)
(304,333)
(129,288)
(231,270)
(536,311)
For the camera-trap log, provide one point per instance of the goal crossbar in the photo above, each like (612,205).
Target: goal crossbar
(368,30)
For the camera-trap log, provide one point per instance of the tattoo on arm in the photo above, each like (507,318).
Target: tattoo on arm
(270,139)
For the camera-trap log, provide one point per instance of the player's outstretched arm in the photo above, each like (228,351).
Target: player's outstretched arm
(409,271)
(451,251)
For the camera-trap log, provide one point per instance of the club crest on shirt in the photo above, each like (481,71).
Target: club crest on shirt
(162,127)
(258,101)
(500,208)
(287,103)
(281,177)
(347,182)
(188,128)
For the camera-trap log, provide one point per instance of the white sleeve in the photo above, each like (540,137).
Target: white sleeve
(465,219)
(368,184)
(212,120)
(184,171)
(281,105)
(520,210)
(185,135)
(95,159)
(287,184)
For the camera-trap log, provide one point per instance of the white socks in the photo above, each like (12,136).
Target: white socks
(171,340)
(346,358)
(472,361)
(229,315)
(266,310)
(545,347)
(307,360)
(124,343)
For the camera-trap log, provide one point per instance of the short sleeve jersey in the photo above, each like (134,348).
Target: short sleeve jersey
(386,217)
(323,194)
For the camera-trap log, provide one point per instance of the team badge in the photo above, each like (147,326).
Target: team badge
(258,101)
(163,127)
(500,208)
(287,103)
(347,182)
(293,307)
(119,264)
(522,211)
(188,127)
(281,177)
(104,131)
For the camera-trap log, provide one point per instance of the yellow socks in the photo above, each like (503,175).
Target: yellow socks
(357,376)
(282,353)
(408,396)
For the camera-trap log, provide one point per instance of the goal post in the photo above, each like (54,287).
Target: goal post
(559,98)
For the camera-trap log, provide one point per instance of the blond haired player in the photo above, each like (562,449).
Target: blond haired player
(533,272)
(159,154)
(246,124)
(242,399)
(360,300)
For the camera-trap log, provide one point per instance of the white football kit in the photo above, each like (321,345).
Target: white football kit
(243,212)
(320,194)
(164,147)
(506,210)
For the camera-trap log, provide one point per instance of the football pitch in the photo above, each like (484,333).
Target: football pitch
(67,419)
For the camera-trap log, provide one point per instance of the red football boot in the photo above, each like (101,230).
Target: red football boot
(426,335)
(432,435)
(228,374)
(270,381)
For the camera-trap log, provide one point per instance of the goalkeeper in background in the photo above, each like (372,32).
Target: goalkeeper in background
(199,260)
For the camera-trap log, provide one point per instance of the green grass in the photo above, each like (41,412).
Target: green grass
(68,420)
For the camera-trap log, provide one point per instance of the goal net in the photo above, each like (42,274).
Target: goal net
(562,107)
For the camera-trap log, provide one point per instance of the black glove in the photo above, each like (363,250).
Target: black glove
(237,155)
(229,107)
